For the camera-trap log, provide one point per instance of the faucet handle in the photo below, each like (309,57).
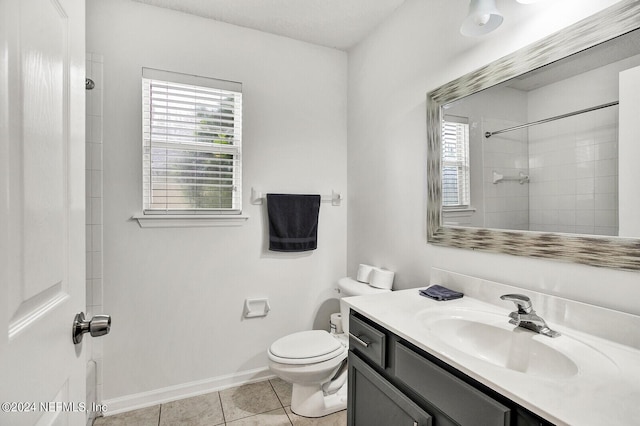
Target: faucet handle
(515,318)
(522,302)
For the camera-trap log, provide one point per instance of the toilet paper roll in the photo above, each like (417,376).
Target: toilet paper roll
(336,323)
(364,273)
(381,278)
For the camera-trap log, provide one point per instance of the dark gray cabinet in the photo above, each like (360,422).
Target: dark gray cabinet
(374,401)
(393,383)
(371,343)
(463,403)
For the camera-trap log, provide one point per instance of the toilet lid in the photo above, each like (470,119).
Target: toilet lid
(305,345)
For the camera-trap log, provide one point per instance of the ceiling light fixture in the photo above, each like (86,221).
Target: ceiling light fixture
(483,18)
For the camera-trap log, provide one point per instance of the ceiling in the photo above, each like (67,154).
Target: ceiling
(339,24)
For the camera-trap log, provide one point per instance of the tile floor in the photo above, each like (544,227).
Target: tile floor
(264,403)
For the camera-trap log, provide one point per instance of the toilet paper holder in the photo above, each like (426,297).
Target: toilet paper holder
(254,308)
(335,323)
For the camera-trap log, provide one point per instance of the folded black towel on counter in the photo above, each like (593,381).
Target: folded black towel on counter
(439,292)
(293,222)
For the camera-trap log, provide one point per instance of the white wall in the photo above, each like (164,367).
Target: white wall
(629,152)
(415,51)
(176,295)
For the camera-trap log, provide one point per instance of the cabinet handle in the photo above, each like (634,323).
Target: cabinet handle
(359,340)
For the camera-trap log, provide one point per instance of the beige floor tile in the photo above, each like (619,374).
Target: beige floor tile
(143,417)
(256,404)
(248,400)
(272,418)
(335,419)
(202,410)
(283,390)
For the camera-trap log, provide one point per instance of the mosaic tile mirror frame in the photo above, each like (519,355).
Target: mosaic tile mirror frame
(603,251)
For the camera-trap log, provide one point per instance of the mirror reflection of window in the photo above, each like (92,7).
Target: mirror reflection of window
(455,162)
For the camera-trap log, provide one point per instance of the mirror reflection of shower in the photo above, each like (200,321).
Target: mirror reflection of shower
(544,157)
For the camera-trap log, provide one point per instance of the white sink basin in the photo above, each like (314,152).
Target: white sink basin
(489,337)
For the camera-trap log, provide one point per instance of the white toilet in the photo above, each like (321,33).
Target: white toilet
(315,362)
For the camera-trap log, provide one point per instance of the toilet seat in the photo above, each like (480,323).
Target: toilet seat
(305,347)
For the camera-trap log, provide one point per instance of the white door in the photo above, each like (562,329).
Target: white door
(42,231)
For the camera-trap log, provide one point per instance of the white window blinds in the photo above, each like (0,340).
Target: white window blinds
(192,144)
(455,161)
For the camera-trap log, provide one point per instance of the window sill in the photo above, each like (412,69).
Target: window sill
(458,211)
(188,220)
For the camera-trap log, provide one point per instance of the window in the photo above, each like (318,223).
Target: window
(192,144)
(455,162)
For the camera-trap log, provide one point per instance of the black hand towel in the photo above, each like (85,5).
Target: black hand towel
(293,222)
(439,292)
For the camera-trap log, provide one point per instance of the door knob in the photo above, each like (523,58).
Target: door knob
(99,325)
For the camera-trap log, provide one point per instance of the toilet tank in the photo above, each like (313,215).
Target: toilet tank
(350,287)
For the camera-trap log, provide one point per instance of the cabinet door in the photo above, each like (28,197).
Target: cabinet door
(375,402)
(460,401)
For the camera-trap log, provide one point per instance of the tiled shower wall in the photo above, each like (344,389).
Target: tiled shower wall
(573,162)
(506,202)
(573,168)
(93,179)
(574,174)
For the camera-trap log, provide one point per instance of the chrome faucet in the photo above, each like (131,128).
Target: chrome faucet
(526,317)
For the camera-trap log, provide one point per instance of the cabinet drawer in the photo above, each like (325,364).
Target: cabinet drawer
(367,341)
(455,398)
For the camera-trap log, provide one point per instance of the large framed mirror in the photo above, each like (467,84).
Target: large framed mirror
(538,153)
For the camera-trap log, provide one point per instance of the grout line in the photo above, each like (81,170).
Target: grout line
(274,391)
(159,414)
(281,403)
(224,417)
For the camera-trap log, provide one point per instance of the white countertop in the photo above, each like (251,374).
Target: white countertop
(604,391)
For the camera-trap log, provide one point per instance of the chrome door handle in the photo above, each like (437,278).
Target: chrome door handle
(359,340)
(99,325)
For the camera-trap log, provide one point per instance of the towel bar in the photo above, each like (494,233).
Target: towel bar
(335,198)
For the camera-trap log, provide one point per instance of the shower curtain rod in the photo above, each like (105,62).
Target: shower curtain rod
(546,120)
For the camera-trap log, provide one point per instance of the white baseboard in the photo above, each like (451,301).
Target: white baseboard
(185,390)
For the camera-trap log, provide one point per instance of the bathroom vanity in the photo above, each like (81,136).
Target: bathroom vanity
(387,374)
(416,361)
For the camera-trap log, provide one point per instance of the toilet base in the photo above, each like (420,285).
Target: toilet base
(310,401)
